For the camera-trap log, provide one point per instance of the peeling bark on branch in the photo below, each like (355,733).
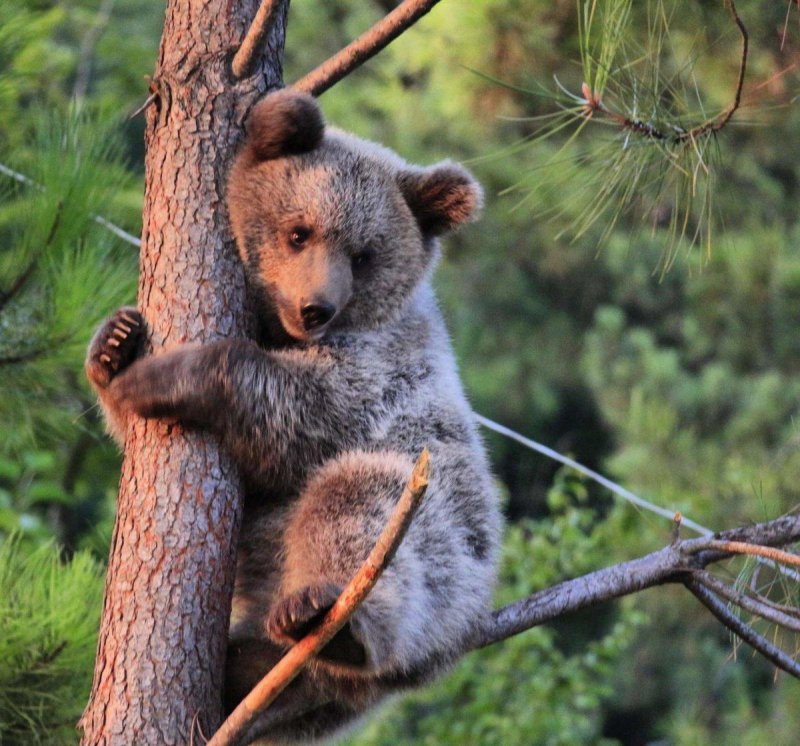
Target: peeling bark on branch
(165,617)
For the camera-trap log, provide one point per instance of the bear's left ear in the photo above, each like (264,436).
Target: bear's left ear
(441,197)
(283,123)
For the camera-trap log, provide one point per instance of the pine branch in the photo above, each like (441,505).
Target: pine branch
(364,47)
(290,666)
(592,103)
(22,279)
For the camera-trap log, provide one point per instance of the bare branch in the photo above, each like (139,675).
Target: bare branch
(663,566)
(748,634)
(674,563)
(287,669)
(365,46)
(247,53)
(741,547)
(754,606)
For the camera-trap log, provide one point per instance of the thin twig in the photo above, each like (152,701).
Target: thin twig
(287,669)
(756,550)
(141,109)
(792,611)
(754,606)
(365,46)
(771,652)
(729,112)
(83,75)
(247,53)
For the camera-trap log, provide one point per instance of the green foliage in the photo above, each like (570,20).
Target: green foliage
(52,52)
(48,614)
(709,418)
(63,492)
(60,272)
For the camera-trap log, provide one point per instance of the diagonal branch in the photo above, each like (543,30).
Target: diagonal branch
(365,46)
(288,668)
(771,652)
(664,566)
(247,53)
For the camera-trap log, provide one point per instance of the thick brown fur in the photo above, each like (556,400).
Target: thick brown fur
(351,377)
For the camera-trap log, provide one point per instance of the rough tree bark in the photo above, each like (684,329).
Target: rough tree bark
(165,616)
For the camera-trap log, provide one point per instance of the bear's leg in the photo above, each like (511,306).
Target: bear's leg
(329,533)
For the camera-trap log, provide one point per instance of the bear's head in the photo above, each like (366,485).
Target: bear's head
(335,232)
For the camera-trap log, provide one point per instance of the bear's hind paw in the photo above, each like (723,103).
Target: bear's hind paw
(295,616)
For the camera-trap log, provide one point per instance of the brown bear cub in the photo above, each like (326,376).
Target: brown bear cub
(351,376)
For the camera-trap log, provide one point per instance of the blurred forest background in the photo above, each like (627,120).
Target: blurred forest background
(681,381)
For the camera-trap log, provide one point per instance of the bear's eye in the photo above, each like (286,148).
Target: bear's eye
(299,235)
(363,258)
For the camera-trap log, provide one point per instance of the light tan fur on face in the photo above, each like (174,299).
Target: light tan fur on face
(355,196)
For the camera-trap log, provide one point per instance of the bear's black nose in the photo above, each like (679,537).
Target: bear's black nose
(317,314)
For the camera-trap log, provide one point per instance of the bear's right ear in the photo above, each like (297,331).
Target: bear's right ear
(284,123)
(441,197)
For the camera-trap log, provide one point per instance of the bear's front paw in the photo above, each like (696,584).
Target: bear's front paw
(295,616)
(114,346)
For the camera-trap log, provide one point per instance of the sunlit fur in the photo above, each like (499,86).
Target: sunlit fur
(325,424)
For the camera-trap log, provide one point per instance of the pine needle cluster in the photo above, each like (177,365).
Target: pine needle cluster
(48,614)
(635,141)
(60,270)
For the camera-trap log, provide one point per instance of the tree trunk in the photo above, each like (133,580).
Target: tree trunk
(162,640)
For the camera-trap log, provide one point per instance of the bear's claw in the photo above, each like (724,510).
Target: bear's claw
(115,346)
